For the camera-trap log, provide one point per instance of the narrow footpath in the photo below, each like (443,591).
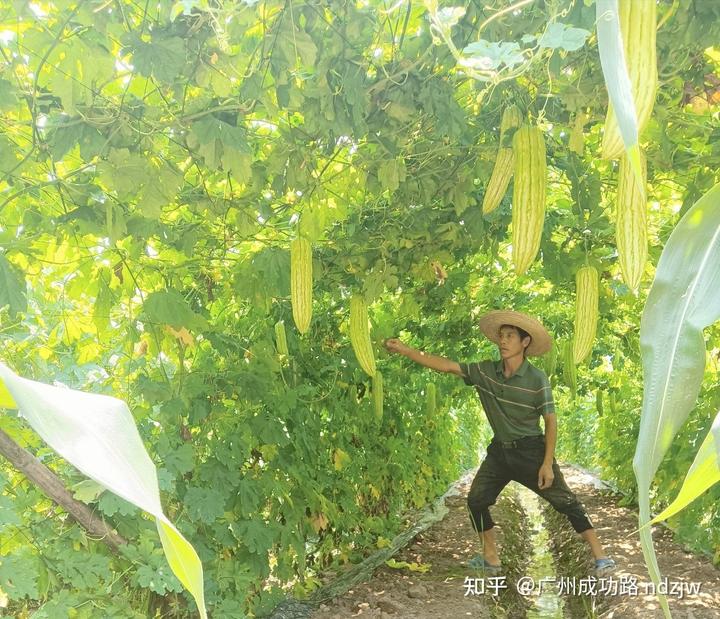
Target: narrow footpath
(547,573)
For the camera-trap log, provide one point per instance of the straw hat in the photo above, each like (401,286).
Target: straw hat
(491,322)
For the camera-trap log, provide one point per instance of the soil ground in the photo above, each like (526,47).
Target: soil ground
(445,590)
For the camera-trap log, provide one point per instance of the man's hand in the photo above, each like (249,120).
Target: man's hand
(393,344)
(545,476)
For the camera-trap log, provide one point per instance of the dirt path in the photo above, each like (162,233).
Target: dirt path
(440,592)
(445,590)
(616,529)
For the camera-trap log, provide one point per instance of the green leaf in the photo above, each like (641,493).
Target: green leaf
(97,434)
(238,163)
(8,98)
(87,491)
(205,504)
(115,221)
(160,191)
(400,111)
(111,504)
(12,288)
(125,172)
(703,473)
(257,535)
(248,495)
(61,138)
(163,57)
(684,298)
(8,155)
(449,16)
(312,221)
(391,173)
(617,80)
(220,142)
(69,90)
(489,56)
(180,460)
(266,273)
(92,143)
(8,515)
(170,308)
(19,575)
(83,570)
(158,579)
(297,45)
(564,37)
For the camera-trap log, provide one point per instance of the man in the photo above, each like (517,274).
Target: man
(514,395)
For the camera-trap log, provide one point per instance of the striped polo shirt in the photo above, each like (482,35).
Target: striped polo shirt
(513,405)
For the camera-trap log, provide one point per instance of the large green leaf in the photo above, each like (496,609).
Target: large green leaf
(6,400)
(169,307)
(12,288)
(97,434)
(163,57)
(704,472)
(683,300)
(617,80)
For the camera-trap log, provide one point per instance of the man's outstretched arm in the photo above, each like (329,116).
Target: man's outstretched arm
(434,362)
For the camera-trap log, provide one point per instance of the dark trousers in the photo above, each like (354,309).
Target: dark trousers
(522,464)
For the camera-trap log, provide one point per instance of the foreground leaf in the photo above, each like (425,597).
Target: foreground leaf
(6,399)
(683,300)
(704,472)
(97,434)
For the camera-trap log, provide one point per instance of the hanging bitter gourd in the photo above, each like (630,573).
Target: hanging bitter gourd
(613,403)
(631,223)
(528,208)
(504,163)
(550,361)
(301,282)
(280,338)
(360,334)
(586,311)
(569,369)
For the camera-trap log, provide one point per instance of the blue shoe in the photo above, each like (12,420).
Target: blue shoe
(604,566)
(479,563)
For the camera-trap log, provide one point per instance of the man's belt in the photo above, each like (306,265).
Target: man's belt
(519,442)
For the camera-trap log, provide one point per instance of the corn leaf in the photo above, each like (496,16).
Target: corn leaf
(617,80)
(97,434)
(704,472)
(683,300)
(6,400)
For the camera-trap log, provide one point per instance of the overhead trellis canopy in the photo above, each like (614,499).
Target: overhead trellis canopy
(238,116)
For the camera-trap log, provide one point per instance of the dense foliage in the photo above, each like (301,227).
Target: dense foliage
(157,159)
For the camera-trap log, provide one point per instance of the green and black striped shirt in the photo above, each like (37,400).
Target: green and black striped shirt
(513,405)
